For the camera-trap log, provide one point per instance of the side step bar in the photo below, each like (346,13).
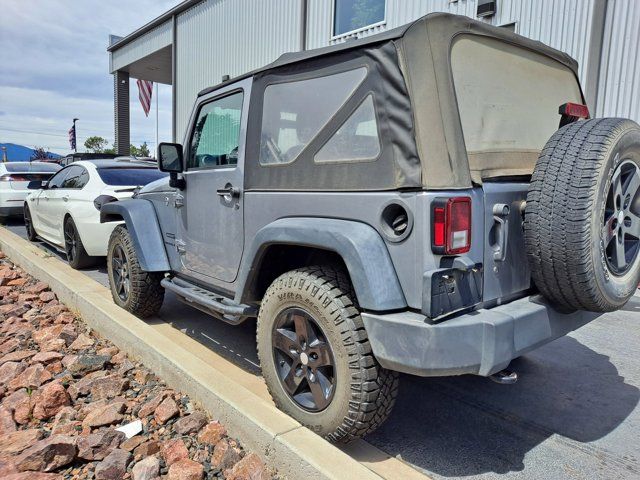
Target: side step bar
(212,303)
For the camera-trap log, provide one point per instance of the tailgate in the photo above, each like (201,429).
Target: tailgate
(506,272)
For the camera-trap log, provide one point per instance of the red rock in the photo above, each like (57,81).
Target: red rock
(87,363)
(49,400)
(54,310)
(108,351)
(26,297)
(166,411)
(224,455)
(190,423)
(48,454)
(174,450)
(10,370)
(7,424)
(17,282)
(249,468)
(32,377)
(98,445)
(131,443)
(147,448)
(82,342)
(65,317)
(47,357)
(212,433)
(55,368)
(37,288)
(7,467)
(186,470)
(55,332)
(118,358)
(34,476)
(15,442)
(114,465)
(19,403)
(83,385)
(150,407)
(13,310)
(146,469)
(9,346)
(108,387)
(47,296)
(105,415)
(17,356)
(53,345)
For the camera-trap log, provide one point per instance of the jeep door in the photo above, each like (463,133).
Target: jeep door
(210,236)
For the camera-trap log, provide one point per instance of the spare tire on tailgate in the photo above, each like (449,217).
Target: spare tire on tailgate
(582,217)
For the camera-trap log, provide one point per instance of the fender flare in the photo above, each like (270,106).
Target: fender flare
(139,215)
(361,247)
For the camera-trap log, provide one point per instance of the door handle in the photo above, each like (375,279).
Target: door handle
(228,191)
(501,213)
(65,198)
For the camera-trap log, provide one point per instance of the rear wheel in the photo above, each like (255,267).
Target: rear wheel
(582,220)
(28,225)
(76,254)
(316,359)
(132,288)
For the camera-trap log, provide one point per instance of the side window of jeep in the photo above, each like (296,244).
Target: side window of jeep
(216,136)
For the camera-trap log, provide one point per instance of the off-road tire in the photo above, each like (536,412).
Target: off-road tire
(565,214)
(365,392)
(146,294)
(28,224)
(81,259)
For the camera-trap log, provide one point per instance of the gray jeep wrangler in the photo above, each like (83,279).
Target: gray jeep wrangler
(432,200)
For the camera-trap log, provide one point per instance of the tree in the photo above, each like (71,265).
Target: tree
(96,144)
(40,153)
(141,151)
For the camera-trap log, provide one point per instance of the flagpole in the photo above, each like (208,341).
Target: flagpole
(157,95)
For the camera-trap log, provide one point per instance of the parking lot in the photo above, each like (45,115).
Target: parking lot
(573,413)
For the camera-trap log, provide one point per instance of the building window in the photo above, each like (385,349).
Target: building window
(350,15)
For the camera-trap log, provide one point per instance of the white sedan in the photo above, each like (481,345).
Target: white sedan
(14,181)
(65,211)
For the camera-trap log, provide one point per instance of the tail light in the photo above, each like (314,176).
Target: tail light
(451,225)
(102,199)
(571,112)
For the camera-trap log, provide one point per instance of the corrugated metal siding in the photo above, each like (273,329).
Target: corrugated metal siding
(147,44)
(229,37)
(619,85)
(562,24)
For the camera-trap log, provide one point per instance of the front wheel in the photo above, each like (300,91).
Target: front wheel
(76,254)
(132,288)
(316,358)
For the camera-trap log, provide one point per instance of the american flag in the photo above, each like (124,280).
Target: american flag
(72,137)
(145,91)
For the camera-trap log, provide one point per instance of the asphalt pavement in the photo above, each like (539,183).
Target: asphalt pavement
(572,414)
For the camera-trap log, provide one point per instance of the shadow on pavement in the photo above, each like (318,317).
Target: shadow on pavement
(460,426)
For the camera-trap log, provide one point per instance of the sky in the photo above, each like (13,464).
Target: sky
(54,67)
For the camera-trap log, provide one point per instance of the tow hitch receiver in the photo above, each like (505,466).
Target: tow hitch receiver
(505,377)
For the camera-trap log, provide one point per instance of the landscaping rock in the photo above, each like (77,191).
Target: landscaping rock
(7,424)
(166,410)
(150,407)
(82,342)
(212,433)
(48,454)
(98,445)
(249,468)
(174,450)
(87,363)
(186,470)
(147,469)
(114,465)
(49,400)
(47,357)
(147,448)
(15,442)
(108,387)
(32,377)
(224,456)
(104,415)
(17,356)
(190,423)
(10,370)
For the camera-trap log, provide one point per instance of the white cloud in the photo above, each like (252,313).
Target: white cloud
(54,67)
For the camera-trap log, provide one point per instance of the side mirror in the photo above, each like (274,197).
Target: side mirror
(170,157)
(36,185)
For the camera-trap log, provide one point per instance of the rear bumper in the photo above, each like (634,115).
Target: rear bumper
(481,342)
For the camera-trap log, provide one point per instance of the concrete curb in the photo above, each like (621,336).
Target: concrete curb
(282,442)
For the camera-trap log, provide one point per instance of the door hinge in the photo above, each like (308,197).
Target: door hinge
(178,201)
(181,247)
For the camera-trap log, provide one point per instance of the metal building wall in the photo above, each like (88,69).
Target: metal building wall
(562,24)
(619,86)
(229,37)
(147,44)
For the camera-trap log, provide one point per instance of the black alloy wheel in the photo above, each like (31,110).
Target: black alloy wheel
(28,224)
(121,277)
(621,229)
(70,241)
(304,359)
